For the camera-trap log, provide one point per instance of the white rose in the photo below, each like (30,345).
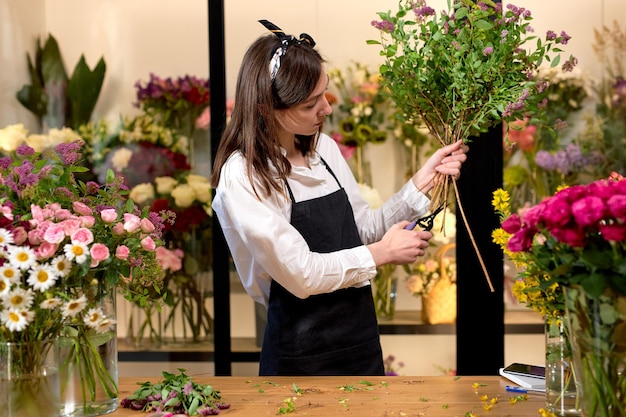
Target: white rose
(184,195)
(142,193)
(201,186)
(120,159)
(64,135)
(37,142)
(165,185)
(371,196)
(12,136)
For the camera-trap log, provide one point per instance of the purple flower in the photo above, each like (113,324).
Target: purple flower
(424,11)
(550,35)
(24,150)
(565,38)
(69,152)
(488,51)
(545,160)
(384,25)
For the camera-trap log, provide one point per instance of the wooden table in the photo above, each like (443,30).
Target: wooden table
(398,396)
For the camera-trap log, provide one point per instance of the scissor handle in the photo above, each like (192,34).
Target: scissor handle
(426,222)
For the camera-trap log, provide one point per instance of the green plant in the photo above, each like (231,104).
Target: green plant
(54,98)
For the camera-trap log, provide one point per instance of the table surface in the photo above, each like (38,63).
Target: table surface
(429,396)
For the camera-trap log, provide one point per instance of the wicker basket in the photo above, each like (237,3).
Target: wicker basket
(439,304)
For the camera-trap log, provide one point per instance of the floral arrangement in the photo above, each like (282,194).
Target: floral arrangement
(176,395)
(65,245)
(424,275)
(137,149)
(13,136)
(428,56)
(175,102)
(188,237)
(362,112)
(576,239)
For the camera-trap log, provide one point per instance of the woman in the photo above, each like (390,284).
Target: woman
(304,241)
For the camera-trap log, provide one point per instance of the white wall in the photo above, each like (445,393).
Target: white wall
(170,38)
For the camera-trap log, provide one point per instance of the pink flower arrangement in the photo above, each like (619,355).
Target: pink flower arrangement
(60,237)
(576,236)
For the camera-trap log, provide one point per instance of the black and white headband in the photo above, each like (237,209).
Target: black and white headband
(285,41)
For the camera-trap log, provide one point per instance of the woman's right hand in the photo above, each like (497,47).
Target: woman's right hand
(400,246)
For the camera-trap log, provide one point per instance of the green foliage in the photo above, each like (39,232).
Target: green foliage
(54,98)
(465,69)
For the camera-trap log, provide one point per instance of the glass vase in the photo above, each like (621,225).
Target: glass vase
(598,335)
(561,391)
(144,330)
(187,316)
(29,379)
(384,287)
(88,360)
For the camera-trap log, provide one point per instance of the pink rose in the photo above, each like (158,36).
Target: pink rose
(35,237)
(87,221)
(148,244)
(118,229)
(46,250)
(613,232)
(557,212)
(617,206)
(588,211)
(512,224)
(169,259)
(572,236)
(70,226)
(147,226)
(82,235)
(122,252)
(521,241)
(81,208)
(6,211)
(131,222)
(19,235)
(99,252)
(54,234)
(108,215)
(63,214)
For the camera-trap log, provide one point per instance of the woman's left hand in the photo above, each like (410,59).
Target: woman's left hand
(447,160)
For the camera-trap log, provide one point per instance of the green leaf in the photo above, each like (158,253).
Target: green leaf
(83,90)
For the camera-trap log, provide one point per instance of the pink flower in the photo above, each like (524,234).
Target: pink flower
(87,221)
(81,208)
(617,207)
(131,222)
(169,259)
(99,252)
(54,234)
(588,211)
(108,215)
(148,244)
(63,214)
(204,120)
(556,213)
(122,252)
(19,235)
(512,224)
(118,229)
(6,211)
(147,226)
(82,235)
(613,232)
(572,236)
(521,241)
(46,250)
(70,226)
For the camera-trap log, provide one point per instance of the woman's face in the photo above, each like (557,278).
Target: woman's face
(307,117)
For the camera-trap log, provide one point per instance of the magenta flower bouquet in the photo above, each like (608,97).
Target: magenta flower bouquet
(576,239)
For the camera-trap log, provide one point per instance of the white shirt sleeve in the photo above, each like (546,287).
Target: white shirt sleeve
(265,245)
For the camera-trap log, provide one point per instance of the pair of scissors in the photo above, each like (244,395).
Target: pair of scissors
(426,222)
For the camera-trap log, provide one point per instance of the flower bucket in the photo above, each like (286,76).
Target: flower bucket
(561,391)
(88,362)
(29,379)
(598,330)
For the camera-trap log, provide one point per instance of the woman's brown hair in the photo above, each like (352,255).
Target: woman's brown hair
(252,129)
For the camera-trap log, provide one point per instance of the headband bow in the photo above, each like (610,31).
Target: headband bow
(285,41)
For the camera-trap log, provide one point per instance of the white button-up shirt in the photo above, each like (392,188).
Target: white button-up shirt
(265,246)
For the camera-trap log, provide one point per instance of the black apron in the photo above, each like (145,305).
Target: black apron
(326,334)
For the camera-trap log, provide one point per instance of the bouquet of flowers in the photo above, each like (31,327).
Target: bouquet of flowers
(362,111)
(424,275)
(465,69)
(64,246)
(576,240)
(188,238)
(175,103)
(138,149)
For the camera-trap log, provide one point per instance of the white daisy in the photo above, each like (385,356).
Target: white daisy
(51,303)
(93,317)
(73,307)
(22,257)
(5,286)
(19,298)
(42,277)
(13,320)
(62,265)
(11,273)
(76,251)
(6,237)
(105,325)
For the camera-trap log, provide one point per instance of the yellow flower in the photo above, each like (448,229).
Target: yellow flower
(501,200)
